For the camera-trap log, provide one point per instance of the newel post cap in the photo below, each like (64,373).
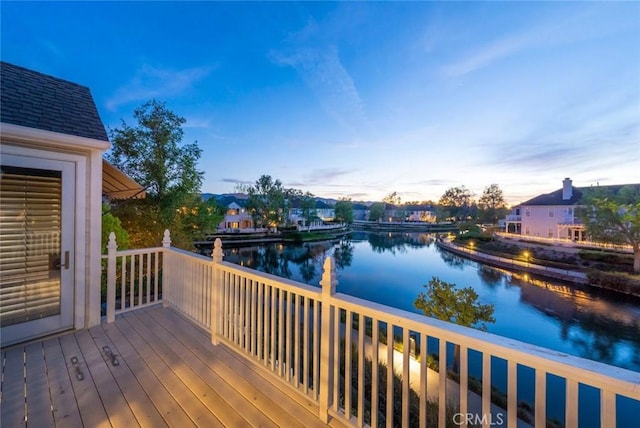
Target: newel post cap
(217,254)
(329,280)
(166,239)
(112,245)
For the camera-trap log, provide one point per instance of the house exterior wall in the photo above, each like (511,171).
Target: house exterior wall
(236,217)
(86,155)
(543,220)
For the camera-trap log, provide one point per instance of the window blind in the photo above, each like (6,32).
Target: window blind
(30,228)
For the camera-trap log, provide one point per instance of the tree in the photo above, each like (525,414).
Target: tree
(392,198)
(457,202)
(151,152)
(376,211)
(197,218)
(492,203)
(110,223)
(266,202)
(445,302)
(614,218)
(308,206)
(344,211)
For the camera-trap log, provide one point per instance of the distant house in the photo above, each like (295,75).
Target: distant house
(360,211)
(553,215)
(421,212)
(237,217)
(325,211)
(52,182)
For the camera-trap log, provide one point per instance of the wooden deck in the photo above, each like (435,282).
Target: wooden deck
(167,374)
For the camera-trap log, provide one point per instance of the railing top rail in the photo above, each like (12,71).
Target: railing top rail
(587,371)
(182,252)
(136,251)
(285,284)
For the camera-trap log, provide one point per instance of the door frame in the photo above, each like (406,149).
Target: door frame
(65,319)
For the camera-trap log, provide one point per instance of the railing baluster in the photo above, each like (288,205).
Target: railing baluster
(389,410)
(296,340)
(336,358)
(236,309)
(375,348)
(244,315)
(254,319)
(361,384)
(571,404)
(423,381)
(316,348)
(227,305)
(347,363)
(442,384)
(608,408)
(305,346)
(289,333)
(486,388)
(148,281)
(132,281)
(464,381)
(260,322)
(541,398)
(272,309)
(405,377)
(267,327)
(281,338)
(123,276)
(140,277)
(512,393)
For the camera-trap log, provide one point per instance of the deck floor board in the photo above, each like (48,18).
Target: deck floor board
(169,374)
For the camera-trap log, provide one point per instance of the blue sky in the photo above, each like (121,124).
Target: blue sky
(362,99)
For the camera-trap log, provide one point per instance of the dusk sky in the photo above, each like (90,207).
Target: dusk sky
(361,99)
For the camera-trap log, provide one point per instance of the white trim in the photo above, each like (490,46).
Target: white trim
(94,241)
(50,139)
(88,208)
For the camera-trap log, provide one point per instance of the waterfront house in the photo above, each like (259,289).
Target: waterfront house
(236,217)
(360,211)
(420,212)
(325,211)
(553,215)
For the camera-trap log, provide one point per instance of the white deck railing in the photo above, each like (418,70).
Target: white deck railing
(333,348)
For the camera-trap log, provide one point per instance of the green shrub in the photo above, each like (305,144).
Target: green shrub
(607,257)
(616,281)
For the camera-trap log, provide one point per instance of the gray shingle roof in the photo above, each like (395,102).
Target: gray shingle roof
(36,100)
(555,198)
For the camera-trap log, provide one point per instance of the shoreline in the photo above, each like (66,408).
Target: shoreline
(573,276)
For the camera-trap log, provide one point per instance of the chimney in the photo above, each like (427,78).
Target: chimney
(567,189)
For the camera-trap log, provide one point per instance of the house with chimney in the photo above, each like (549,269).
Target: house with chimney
(553,215)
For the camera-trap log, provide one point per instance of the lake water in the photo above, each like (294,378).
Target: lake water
(392,268)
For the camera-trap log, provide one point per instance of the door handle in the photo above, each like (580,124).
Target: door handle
(66,261)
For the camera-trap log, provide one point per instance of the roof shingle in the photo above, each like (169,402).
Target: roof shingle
(36,100)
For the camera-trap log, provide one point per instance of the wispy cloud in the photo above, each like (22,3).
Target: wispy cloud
(52,48)
(235,181)
(326,175)
(487,55)
(320,67)
(154,82)
(563,28)
(195,122)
